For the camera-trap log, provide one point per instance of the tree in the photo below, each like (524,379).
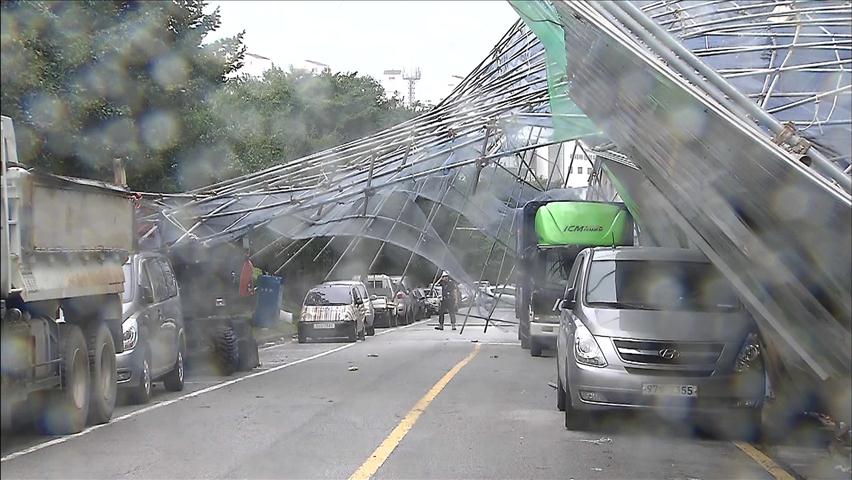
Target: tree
(89,81)
(285,115)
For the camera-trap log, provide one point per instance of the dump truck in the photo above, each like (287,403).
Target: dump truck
(550,235)
(63,242)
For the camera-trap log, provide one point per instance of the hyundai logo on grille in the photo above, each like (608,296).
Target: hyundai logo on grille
(669,353)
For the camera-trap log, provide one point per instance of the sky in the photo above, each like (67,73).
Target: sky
(442,38)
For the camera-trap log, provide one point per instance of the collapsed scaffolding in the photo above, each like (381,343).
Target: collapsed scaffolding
(722,125)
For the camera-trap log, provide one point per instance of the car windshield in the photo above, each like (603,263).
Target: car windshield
(659,285)
(331,295)
(127,295)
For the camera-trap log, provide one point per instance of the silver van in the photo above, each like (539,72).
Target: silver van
(383,298)
(659,329)
(153,328)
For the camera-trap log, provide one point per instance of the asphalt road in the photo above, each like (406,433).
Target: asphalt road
(305,414)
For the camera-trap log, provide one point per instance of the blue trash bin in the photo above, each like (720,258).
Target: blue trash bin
(269,289)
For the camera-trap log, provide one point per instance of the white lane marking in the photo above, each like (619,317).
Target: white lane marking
(155,406)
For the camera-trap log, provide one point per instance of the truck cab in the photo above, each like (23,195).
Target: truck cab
(551,235)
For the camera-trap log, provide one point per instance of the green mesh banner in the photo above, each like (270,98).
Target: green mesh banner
(569,122)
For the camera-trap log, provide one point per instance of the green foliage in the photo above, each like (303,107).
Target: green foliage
(285,115)
(89,81)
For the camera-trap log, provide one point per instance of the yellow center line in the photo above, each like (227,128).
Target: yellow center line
(764,461)
(381,454)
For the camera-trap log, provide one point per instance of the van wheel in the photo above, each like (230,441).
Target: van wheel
(574,419)
(65,409)
(173,381)
(225,347)
(104,389)
(141,393)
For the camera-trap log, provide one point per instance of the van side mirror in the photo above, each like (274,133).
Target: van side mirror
(569,301)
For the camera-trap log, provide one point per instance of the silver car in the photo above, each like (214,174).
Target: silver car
(657,329)
(333,311)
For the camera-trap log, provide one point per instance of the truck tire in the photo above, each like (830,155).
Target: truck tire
(174,380)
(248,356)
(103,377)
(65,410)
(141,394)
(226,350)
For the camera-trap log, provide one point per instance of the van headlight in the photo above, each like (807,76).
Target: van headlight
(306,317)
(347,317)
(586,348)
(749,356)
(130,333)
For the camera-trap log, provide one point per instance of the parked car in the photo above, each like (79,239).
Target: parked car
(466,295)
(153,328)
(384,304)
(366,306)
(333,311)
(420,311)
(660,329)
(433,300)
(405,303)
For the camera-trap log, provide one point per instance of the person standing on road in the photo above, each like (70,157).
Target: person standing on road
(449,300)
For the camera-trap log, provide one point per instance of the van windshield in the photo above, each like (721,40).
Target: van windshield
(659,285)
(337,295)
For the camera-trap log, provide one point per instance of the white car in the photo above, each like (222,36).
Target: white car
(333,311)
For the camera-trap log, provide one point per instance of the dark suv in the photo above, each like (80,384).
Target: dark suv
(153,329)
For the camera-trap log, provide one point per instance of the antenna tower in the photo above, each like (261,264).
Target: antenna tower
(411,77)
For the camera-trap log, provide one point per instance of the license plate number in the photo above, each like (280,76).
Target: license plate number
(670,390)
(324,326)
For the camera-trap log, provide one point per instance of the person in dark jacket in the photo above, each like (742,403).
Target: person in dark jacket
(449,300)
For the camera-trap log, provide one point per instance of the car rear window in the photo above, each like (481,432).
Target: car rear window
(329,295)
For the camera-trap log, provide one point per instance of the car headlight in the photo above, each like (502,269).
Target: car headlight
(586,348)
(307,317)
(749,355)
(130,333)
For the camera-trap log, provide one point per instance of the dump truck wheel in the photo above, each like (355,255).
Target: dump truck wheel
(248,354)
(64,410)
(226,349)
(103,377)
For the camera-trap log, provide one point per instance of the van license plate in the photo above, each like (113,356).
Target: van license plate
(325,326)
(670,390)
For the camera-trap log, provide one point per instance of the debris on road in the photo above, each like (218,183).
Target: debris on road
(597,469)
(474,341)
(552,385)
(494,356)
(373,355)
(352,368)
(600,441)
